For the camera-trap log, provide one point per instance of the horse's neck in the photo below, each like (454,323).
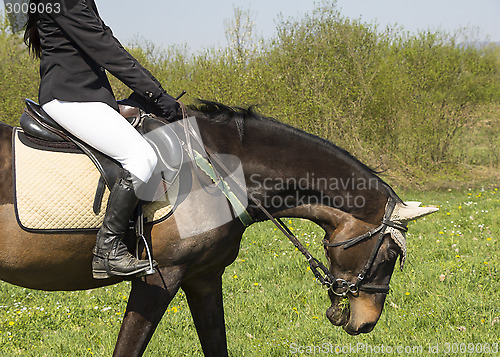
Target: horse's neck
(286,169)
(293,170)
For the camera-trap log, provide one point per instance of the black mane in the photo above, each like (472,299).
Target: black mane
(221,113)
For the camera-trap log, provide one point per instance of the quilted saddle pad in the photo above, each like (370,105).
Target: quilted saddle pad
(55,191)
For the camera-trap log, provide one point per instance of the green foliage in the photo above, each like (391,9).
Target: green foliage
(387,96)
(19,77)
(393,99)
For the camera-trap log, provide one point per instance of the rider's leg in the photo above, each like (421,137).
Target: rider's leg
(106,130)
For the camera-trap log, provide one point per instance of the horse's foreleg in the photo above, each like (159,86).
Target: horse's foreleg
(204,296)
(148,300)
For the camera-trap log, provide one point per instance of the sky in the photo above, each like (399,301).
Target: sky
(201,24)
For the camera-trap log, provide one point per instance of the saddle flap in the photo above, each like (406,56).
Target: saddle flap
(167,146)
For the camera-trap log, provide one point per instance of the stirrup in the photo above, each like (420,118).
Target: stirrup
(139,231)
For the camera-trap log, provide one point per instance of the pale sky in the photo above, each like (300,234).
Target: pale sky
(200,24)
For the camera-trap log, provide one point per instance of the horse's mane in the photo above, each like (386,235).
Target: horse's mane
(222,114)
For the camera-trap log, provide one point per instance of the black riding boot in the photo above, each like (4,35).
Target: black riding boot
(111,256)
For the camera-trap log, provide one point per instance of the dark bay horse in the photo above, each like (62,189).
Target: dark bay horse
(292,174)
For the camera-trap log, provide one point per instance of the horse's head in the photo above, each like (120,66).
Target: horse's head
(362,257)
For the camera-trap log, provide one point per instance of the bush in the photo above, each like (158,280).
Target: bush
(387,96)
(19,77)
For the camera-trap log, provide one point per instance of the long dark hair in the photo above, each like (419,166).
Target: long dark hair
(31,36)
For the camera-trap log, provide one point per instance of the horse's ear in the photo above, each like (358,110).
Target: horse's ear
(411,210)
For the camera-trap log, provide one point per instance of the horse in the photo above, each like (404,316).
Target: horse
(287,172)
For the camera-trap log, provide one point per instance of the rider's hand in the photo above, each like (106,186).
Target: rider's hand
(166,106)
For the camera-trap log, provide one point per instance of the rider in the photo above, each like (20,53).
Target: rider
(75,48)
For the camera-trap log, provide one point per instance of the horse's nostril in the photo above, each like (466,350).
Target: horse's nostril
(365,328)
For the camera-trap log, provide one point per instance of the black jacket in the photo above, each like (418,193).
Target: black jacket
(77,48)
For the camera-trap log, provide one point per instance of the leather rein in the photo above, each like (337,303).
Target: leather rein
(324,277)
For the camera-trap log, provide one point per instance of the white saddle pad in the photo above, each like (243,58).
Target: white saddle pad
(56,190)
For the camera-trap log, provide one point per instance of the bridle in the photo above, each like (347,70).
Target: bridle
(341,287)
(324,277)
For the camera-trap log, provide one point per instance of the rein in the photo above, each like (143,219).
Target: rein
(339,287)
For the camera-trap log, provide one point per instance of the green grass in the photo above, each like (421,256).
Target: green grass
(448,293)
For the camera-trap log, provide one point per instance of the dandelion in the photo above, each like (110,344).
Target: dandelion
(407,293)
(488,239)
(441,232)
(235,276)
(11,323)
(457,256)
(448,213)
(255,284)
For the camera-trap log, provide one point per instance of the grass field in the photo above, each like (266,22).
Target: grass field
(445,302)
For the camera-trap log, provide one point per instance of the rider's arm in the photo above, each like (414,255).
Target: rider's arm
(85,28)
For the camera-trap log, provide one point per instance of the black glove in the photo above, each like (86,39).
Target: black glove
(166,106)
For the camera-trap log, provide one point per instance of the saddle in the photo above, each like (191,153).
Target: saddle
(41,129)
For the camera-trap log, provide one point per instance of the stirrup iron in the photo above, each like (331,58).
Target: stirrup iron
(139,231)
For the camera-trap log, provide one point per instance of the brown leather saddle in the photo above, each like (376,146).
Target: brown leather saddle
(45,133)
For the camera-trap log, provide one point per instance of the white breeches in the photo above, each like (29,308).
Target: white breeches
(103,128)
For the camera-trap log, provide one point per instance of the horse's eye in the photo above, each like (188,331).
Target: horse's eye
(392,255)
